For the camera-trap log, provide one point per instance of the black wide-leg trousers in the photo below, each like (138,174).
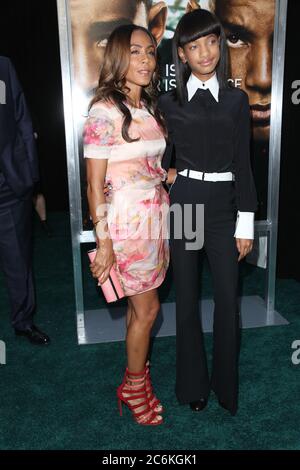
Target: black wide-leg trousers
(192,377)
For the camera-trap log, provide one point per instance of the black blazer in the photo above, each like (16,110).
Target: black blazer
(18,157)
(210,136)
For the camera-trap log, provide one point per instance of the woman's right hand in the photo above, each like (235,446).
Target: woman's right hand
(104,260)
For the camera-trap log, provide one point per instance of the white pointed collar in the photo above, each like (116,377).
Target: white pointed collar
(211,84)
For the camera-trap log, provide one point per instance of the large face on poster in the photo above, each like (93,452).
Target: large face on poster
(92,21)
(248,25)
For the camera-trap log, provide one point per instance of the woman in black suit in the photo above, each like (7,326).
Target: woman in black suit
(209,130)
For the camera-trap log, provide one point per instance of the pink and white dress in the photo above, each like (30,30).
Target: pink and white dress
(137,202)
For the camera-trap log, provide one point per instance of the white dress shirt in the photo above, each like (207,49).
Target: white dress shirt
(211,84)
(245,220)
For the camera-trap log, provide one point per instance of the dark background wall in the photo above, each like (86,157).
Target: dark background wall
(289,206)
(29,36)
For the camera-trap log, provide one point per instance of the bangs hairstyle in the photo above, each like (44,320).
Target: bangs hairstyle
(112,81)
(192,26)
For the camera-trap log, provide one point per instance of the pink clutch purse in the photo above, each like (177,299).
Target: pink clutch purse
(111,288)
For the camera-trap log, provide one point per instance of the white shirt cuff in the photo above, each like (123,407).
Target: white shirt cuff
(244,227)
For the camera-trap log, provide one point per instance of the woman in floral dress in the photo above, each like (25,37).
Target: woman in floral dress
(124,141)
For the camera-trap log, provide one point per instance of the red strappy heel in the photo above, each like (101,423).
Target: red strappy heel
(154,402)
(132,392)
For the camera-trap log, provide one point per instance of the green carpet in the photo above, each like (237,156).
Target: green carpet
(64,396)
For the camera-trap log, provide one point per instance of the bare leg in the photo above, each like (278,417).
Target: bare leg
(40,206)
(142,315)
(153,400)
(129,313)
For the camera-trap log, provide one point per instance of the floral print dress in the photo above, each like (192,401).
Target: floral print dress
(137,202)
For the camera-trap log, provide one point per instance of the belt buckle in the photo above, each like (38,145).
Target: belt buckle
(203,175)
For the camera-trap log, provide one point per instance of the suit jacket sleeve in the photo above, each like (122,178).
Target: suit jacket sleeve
(23,122)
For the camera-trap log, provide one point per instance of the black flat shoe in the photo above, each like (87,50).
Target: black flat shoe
(34,335)
(231,411)
(198,405)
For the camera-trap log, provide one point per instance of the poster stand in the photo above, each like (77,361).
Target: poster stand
(94,326)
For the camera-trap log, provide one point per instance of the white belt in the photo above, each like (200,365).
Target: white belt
(200,175)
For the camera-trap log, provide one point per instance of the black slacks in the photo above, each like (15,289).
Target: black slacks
(16,255)
(192,377)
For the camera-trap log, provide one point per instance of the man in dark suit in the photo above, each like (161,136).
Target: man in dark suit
(18,174)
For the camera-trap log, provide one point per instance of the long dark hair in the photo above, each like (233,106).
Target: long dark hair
(112,80)
(192,26)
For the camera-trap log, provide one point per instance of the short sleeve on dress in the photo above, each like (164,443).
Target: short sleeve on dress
(98,133)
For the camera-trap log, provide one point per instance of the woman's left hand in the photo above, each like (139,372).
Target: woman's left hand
(172,174)
(244,247)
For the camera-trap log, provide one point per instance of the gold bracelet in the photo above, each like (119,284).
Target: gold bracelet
(99,220)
